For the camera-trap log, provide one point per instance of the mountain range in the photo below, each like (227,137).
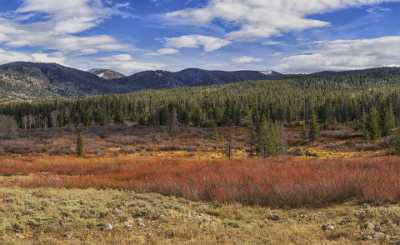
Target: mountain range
(25,81)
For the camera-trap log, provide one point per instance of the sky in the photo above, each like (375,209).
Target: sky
(288,36)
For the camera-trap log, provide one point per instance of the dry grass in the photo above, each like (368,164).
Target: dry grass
(274,182)
(59,216)
(117,140)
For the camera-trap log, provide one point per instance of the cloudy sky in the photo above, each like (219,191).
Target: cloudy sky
(134,35)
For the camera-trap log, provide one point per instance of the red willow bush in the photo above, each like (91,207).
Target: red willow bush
(273,182)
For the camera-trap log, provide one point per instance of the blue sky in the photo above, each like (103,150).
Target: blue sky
(129,36)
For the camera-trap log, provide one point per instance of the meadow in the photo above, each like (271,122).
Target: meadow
(139,185)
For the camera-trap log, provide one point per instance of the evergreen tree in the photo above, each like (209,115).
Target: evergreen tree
(80,147)
(118,117)
(395,144)
(268,139)
(173,121)
(389,121)
(314,127)
(364,125)
(373,126)
(164,116)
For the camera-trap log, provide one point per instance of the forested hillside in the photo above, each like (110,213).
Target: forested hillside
(342,99)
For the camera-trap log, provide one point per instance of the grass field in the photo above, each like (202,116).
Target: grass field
(60,216)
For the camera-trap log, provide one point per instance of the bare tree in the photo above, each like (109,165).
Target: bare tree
(229,146)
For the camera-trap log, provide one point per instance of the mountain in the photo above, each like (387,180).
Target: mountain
(190,77)
(107,74)
(372,73)
(25,80)
(28,81)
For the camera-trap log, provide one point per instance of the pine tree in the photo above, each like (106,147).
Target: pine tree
(80,147)
(268,139)
(364,125)
(373,126)
(173,121)
(389,121)
(164,116)
(252,151)
(196,116)
(118,117)
(314,127)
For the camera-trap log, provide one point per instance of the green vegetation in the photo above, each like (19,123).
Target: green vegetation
(172,121)
(268,139)
(374,125)
(389,120)
(315,130)
(80,147)
(370,102)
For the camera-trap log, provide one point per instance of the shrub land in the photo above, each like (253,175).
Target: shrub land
(272,182)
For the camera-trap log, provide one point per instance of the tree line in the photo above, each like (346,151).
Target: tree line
(369,105)
(230,105)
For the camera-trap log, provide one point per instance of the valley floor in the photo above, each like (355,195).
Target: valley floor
(60,216)
(338,191)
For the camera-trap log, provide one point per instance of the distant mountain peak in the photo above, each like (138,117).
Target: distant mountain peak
(270,72)
(191,77)
(107,74)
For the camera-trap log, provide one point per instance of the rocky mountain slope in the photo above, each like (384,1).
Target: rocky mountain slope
(107,74)
(24,80)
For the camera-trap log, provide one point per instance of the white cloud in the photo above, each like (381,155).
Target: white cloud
(55,25)
(48,58)
(163,51)
(272,43)
(266,18)
(377,9)
(125,63)
(246,60)
(7,56)
(122,62)
(55,28)
(208,43)
(345,55)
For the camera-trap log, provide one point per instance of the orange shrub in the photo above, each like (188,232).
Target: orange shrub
(275,182)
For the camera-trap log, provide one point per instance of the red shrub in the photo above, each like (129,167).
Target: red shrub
(283,181)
